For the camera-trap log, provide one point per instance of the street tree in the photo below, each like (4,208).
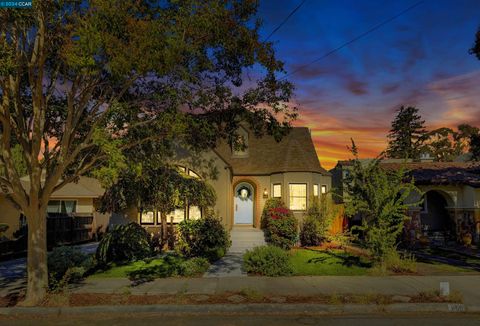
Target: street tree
(81,82)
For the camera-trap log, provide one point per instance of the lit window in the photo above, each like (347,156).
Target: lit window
(193,174)
(147,217)
(182,169)
(194,213)
(178,216)
(324,189)
(315,190)
(298,197)
(277,191)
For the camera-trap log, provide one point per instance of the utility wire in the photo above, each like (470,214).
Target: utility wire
(374,28)
(285,20)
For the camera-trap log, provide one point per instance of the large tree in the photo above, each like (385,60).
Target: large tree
(476,46)
(81,82)
(407,134)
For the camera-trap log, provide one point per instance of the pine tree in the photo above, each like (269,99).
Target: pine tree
(407,134)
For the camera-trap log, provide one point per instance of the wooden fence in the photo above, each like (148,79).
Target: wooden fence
(338,222)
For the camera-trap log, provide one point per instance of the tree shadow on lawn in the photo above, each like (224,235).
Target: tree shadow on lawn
(343,259)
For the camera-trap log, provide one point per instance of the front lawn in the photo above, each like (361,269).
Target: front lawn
(328,262)
(166,266)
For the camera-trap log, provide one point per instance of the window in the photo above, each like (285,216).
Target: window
(324,189)
(147,217)
(298,196)
(315,190)
(194,213)
(193,174)
(277,191)
(178,216)
(182,169)
(62,206)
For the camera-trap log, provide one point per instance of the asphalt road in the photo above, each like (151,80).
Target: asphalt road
(250,320)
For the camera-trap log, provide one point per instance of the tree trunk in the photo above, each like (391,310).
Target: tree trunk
(164,228)
(37,271)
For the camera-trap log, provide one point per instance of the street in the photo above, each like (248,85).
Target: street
(250,320)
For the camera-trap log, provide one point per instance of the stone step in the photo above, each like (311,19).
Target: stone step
(245,238)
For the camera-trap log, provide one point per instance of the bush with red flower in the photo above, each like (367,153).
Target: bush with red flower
(279,224)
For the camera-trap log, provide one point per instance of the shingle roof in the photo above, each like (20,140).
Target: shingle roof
(86,187)
(441,173)
(294,153)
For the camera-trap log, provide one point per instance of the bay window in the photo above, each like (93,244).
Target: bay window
(298,196)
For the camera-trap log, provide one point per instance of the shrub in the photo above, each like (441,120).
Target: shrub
(268,261)
(279,224)
(194,267)
(317,222)
(67,265)
(124,243)
(399,263)
(205,237)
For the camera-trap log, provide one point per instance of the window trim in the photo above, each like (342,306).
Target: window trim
(273,190)
(290,196)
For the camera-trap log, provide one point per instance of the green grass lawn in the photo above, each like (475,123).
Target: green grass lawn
(328,262)
(123,270)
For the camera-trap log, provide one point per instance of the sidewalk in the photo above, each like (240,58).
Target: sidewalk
(469,286)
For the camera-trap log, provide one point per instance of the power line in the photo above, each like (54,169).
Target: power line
(286,19)
(374,28)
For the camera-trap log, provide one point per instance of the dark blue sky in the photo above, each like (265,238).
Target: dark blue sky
(420,59)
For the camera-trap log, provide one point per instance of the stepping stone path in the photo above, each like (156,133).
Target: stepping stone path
(229,265)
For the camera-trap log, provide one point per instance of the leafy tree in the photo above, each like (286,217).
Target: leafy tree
(475,50)
(83,83)
(475,146)
(407,134)
(382,198)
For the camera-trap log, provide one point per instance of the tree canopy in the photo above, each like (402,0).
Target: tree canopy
(83,83)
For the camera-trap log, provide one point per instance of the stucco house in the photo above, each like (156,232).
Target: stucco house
(245,179)
(450,193)
(77,200)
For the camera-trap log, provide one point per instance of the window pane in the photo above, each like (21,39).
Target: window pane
(69,206)
(182,169)
(193,174)
(194,213)
(298,196)
(54,206)
(147,218)
(277,191)
(178,215)
(315,190)
(324,189)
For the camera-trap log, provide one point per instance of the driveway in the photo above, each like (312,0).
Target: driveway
(15,269)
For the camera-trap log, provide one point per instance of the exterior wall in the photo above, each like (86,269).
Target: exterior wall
(11,215)
(262,183)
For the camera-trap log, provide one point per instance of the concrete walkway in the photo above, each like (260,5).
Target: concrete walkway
(468,286)
(229,266)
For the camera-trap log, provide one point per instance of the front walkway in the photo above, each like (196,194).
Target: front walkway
(468,286)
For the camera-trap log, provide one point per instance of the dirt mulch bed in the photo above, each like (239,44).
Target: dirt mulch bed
(243,297)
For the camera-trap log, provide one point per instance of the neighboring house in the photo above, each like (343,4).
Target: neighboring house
(245,179)
(77,200)
(451,196)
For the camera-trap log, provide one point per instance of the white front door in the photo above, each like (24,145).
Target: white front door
(243,209)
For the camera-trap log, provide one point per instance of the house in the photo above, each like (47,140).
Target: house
(450,194)
(75,201)
(246,179)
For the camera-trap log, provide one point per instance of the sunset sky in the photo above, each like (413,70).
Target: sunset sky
(420,59)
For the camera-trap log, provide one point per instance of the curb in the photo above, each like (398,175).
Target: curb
(247,308)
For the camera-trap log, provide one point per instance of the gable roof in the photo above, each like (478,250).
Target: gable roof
(85,187)
(294,153)
(441,173)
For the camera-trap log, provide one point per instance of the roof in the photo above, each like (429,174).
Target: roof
(85,187)
(441,173)
(294,153)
